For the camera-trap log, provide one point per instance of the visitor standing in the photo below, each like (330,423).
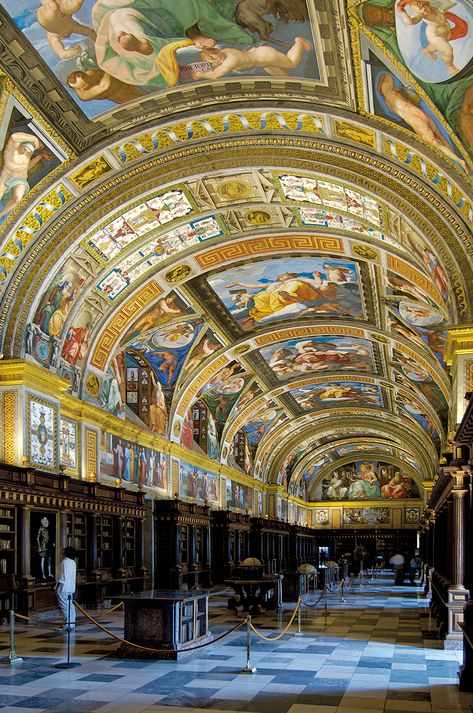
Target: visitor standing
(397,563)
(66,586)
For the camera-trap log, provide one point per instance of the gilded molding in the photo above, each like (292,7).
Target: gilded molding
(9,429)
(459,341)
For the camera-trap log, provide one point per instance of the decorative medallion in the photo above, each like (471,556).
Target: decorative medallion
(366,252)
(234,190)
(258,217)
(241,349)
(92,386)
(178,273)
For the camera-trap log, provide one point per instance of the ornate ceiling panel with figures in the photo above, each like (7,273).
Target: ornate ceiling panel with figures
(245,226)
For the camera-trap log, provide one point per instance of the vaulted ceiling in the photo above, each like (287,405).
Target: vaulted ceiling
(283,249)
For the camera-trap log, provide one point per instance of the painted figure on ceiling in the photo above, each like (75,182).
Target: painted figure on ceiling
(228,59)
(439,32)
(19,157)
(137,40)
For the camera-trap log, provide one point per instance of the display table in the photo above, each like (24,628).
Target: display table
(256,595)
(170,621)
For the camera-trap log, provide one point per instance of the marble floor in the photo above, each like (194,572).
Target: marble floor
(375,652)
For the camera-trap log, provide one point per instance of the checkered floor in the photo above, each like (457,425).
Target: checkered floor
(377,651)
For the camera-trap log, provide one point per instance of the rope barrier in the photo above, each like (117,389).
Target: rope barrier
(306,604)
(149,648)
(278,636)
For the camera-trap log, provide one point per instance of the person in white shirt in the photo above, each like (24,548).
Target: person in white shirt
(66,586)
(397,563)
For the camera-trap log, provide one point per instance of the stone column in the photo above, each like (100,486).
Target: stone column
(457,594)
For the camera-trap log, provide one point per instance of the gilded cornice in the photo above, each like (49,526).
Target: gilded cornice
(459,342)
(16,372)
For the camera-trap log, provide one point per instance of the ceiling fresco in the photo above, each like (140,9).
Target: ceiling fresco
(245,227)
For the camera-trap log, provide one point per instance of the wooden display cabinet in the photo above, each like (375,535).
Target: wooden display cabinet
(182,542)
(230,542)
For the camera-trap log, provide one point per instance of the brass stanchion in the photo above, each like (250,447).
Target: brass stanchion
(12,657)
(325,601)
(68,663)
(248,668)
(342,598)
(299,618)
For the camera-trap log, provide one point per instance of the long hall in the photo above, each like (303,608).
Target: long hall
(375,649)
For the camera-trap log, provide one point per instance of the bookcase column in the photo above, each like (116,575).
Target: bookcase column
(92,542)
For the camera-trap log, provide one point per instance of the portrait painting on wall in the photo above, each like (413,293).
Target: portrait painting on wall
(107,53)
(43,545)
(318,354)
(28,155)
(42,441)
(367,480)
(366,516)
(68,443)
(239,496)
(321,517)
(198,484)
(259,503)
(273,290)
(132,463)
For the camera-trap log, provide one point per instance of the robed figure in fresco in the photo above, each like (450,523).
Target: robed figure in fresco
(137,40)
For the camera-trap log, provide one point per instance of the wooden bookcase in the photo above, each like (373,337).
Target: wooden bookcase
(8,540)
(105,542)
(103,523)
(76,536)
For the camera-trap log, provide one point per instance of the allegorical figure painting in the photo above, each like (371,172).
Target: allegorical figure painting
(367,480)
(108,52)
(273,290)
(316,354)
(337,393)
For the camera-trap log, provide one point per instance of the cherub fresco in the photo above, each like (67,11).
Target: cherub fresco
(431,42)
(108,52)
(315,354)
(437,32)
(263,292)
(407,107)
